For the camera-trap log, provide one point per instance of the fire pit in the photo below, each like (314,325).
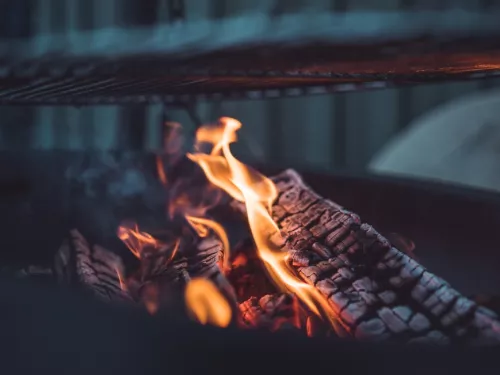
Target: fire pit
(254,249)
(269,253)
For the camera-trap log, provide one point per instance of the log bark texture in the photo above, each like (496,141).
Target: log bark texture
(376,291)
(164,272)
(92,268)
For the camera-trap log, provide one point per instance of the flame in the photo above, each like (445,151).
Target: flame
(123,286)
(175,249)
(215,136)
(135,240)
(258,193)
(161,170)
(206,304)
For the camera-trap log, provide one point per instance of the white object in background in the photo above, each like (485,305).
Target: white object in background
(458,142)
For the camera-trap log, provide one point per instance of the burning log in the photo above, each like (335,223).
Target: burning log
(198,258)
(167,266)
(92,268)
(376,291)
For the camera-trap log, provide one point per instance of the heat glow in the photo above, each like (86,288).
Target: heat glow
(258,193)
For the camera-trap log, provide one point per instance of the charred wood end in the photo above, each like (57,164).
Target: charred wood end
(378,292)
(92,268)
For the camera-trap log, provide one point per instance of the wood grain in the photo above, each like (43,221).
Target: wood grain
(376,291)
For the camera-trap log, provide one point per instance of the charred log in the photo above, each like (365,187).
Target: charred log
(165,272)
(91,268)
(376,291)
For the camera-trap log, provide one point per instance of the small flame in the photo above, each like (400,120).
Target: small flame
(202,225)
(136,240)
(258,193)
(175,249)
(206,304)
(123,286)
(150,298)
(161,170)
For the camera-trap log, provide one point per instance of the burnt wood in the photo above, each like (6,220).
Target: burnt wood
(251,56)
(376,291)
(164,272)
(161,276)
(198,257)
(91,268)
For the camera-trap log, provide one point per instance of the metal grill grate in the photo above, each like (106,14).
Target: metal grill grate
(279,58)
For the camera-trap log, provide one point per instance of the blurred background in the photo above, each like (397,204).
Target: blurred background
(352,132)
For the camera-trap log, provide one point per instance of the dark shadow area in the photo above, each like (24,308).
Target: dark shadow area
(44,331)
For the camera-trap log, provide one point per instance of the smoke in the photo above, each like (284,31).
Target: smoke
(107,188)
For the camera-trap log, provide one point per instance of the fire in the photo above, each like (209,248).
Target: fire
(206,304)
(123,286)
(258,193)
(161,171)
(136,240)
(201,226)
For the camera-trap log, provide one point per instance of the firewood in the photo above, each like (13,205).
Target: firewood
(92,268)
(165,272)
(375,291)
(186,259)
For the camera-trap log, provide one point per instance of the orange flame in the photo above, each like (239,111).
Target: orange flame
(123,286)
(175,249)
(135,240)
(258,193)
(206,304)
(161,170)
(201,226)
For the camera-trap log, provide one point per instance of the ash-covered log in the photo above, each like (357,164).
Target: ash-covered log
(376,291)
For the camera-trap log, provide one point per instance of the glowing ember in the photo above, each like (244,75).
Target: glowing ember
(150,298)
(206,304)
(258,193)
(161,171)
